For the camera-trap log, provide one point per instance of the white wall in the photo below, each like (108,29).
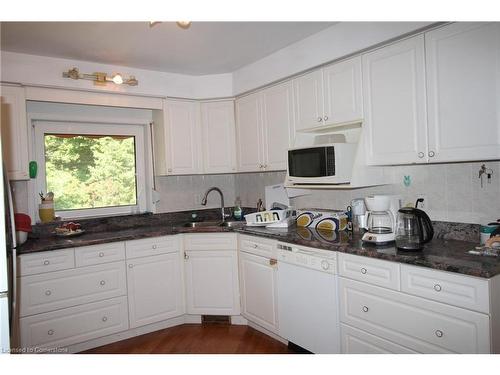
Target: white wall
(339,40)
(47,71)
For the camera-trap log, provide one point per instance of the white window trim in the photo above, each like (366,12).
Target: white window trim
(42,127)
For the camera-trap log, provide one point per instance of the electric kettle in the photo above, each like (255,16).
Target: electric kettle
(413,229)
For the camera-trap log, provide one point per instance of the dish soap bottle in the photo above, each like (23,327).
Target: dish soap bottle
(237,212)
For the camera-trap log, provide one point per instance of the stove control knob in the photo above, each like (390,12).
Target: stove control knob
(325,265)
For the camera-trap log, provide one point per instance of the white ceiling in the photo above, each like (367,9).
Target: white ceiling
(204,48)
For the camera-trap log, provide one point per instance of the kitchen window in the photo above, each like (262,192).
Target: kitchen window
(92,169)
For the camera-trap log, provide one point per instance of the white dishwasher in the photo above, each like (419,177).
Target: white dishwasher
(307,298)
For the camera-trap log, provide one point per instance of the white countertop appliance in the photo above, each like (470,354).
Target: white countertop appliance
(307,297)
(381,219)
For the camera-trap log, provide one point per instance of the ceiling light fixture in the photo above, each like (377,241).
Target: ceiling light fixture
(184,24)
(101,79)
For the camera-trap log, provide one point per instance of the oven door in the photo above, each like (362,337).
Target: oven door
(308,162)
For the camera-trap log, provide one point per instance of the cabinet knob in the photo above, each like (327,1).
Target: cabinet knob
(325,265)
(437,288)
(102,282)
(320,119)
(265,166)
(431,154)
(439,333)
(186,256)
(169,170)
(273,262)
(421,154)
(363,271)
(255,246)
(131,266)
(365,308)
(154,247)
(46,262)
(101,254)
(325,118)
(48,292)
(104,318)
(50,332)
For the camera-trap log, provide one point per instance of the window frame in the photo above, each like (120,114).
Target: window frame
(42,127)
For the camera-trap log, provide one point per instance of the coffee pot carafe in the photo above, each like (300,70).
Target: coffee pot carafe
(413,229)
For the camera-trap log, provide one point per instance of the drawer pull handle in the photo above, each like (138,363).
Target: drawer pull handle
(439,333)
(437,288)
(363,271)
(365,308)
(130,266)
(48,293)
(154,247)
(101,254)
(102,282)
(104,318)
(50,332)
(46,262)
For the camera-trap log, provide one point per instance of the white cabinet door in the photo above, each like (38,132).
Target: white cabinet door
(278,127)
(394,103)
(308,96)
(155,289)
(259,299)
(463,85)
(14,132)
(212,282)
(342,92)
(248,130)
(218,134)
(183,137)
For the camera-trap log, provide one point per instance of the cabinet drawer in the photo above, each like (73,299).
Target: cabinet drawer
(258,246)
(458,290)
(355,341)
(373,271)
(46,261)
(413,322)
(61,289)
(97,254)
(152,246)
(75,324)
(211,241)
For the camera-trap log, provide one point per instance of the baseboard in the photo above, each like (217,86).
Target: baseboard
(267,332)
(238,320)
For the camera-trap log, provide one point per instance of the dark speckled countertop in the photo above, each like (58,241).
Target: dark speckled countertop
(441,254)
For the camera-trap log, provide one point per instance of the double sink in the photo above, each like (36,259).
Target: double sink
(214,224)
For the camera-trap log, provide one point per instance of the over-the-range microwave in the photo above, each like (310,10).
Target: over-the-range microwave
(325,164)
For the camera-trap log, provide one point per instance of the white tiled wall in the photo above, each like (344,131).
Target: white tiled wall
(453,191)
(181,193)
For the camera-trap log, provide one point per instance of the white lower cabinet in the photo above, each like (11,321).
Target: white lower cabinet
(155,290)
(73,325)
(416,323)
(355,341)
(259,298)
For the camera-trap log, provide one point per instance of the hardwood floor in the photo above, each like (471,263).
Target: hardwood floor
(197,339)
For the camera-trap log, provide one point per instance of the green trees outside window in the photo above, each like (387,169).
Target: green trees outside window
(86,171)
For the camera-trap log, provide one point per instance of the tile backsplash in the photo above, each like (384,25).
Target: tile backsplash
(452,191)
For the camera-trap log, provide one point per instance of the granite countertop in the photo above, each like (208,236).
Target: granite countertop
(441,254)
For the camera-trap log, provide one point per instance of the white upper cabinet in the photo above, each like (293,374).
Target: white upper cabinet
(331,95)
(218,137)
(14,132)
(248,130)
(277,126)
(308,95)
(183,137)
(264,123)
(463,92)
(394,103)
(342,92)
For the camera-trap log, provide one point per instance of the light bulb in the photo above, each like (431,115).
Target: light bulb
(184,24)
(118,79)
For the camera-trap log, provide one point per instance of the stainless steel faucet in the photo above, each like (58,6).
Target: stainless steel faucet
(204,201)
